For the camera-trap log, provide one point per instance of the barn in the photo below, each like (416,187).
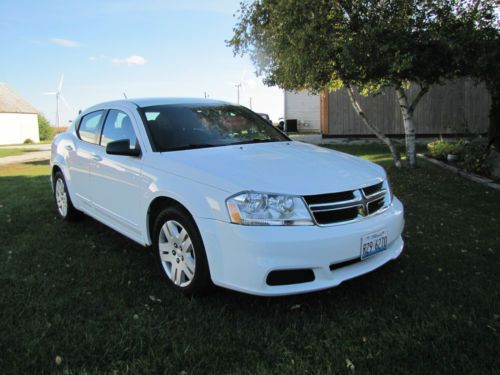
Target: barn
(455,108)
(18,118)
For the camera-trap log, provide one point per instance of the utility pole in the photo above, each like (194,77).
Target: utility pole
(58,118)
(238,85)
(250,102)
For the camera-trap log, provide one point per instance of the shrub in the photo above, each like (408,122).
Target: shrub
(457,149)
(476,156)
(28,141)
(439,149)
(44,129)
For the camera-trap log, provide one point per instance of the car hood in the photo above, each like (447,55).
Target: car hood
(279,167)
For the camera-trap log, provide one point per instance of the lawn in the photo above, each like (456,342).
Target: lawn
(90,298)
(15,151)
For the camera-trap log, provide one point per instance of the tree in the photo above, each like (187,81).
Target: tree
(44,129)
(478,39)
(368,44)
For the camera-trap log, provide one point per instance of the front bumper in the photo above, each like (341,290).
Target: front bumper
(241,257)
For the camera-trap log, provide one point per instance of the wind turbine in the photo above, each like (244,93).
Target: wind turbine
(58,96)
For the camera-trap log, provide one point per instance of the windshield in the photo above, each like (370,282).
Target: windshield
(181,127)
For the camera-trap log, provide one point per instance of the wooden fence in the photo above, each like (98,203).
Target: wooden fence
(457,107)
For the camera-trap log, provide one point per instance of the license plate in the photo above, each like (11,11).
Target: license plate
(373,243)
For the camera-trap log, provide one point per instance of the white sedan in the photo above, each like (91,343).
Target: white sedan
(222,197)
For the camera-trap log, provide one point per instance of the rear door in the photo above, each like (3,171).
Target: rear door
(81,158)
(115,180)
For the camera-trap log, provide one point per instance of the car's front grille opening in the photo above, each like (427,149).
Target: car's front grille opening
(370,190)
(336,216)
(336,266)
(329,198)
(348,205)
(375,205)
(287,277)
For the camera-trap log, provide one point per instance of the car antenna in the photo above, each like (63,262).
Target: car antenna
(125,95)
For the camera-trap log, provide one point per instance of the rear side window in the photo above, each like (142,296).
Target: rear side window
(89,127)
(117,127)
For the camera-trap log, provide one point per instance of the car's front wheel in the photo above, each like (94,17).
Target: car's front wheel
(64,205)
(179,252)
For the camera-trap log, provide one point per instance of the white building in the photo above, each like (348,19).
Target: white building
(18,118)
(304,108)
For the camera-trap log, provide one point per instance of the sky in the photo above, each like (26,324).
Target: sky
(145,48)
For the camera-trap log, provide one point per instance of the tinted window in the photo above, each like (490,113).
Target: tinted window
(118,126)
(89,126)
(177,127)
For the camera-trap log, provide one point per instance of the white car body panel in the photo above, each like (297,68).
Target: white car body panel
(255,167)
(118,191)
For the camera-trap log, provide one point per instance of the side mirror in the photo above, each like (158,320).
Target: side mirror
(122,147)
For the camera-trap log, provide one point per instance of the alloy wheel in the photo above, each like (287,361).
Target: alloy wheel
(177,253)
(61,198)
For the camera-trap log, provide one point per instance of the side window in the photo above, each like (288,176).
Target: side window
(89,126)
(117,127)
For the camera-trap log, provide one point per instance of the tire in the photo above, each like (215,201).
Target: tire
(64,206)
(179,252)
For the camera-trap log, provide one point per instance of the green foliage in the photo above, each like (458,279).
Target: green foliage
(476,41)
(44,129)
(476,156)
(311,44)
(440,149)
(28,141)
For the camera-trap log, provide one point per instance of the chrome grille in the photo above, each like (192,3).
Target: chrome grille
(348,205)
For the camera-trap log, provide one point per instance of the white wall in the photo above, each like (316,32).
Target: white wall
(303,107)
(17,127)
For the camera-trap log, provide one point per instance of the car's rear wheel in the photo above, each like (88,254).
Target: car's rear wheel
(179,252)
(64,205)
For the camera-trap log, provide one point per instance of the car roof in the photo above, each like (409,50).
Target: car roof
(147,102)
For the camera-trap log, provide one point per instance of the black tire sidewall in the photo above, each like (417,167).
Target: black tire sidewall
(201,282)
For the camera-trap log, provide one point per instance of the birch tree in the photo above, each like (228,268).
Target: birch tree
(370,45)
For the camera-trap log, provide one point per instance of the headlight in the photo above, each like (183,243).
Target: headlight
(252,208)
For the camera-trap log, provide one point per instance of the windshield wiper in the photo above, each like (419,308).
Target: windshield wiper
(255,140)
(189,147)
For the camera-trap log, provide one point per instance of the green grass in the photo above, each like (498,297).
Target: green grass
(85,293)
(15,151)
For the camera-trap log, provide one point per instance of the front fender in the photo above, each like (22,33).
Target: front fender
(202,201)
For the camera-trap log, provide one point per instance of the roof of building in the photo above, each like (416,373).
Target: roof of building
(11,102)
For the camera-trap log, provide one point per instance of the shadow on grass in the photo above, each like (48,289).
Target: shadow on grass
(37,162)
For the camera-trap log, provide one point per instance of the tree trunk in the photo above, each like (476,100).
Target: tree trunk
(494,128)
(373,128)
(409,126)
(407,111)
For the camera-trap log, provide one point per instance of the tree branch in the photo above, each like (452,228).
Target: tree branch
(357,107)
(421,93)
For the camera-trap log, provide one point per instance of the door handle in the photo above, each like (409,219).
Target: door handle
(68,147)
(96,157)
